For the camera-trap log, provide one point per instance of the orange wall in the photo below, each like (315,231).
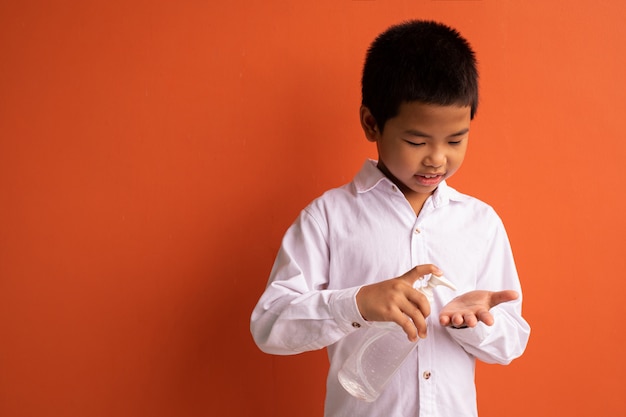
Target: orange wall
(153,153)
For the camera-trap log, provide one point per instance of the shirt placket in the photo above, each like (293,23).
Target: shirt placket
(425,374)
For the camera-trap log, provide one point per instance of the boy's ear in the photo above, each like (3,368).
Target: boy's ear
(368,123)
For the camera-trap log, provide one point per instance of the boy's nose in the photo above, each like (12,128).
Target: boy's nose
(435,159)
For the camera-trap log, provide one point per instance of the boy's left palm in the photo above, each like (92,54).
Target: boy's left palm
(470,308)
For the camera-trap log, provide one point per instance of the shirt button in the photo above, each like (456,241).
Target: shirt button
(356,325)
(417,230)
(427,375)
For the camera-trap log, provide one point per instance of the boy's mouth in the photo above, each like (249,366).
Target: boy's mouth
(429,179)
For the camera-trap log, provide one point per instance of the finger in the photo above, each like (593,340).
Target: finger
(499,297)
(457,319)
(406,323)
(419,271)
(416,324)
(409,328)
(486,317)
(444,320)
(418,320)
(470,319)
(419,300)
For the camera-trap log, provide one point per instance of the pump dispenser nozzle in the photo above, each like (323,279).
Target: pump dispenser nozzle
(426,285)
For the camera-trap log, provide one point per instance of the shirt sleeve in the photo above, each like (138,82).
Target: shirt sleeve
(296,312)
(507,338)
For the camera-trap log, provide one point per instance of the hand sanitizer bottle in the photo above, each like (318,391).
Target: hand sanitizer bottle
(384,348)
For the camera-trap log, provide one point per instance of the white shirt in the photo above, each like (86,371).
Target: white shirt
(366,232)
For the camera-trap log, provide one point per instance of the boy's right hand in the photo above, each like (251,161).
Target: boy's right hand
(396,300)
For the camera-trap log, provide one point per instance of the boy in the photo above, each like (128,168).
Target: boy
(353,254)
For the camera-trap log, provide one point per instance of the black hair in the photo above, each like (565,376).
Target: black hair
(421,61)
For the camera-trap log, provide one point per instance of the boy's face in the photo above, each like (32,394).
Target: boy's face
(421,146)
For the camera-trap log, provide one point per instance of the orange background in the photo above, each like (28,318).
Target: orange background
(152,154)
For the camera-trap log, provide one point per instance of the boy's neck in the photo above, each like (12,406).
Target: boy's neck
(416,200)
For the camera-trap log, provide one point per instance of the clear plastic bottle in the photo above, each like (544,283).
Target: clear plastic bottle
(383,350)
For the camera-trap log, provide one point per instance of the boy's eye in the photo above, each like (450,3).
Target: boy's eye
(455,142)
(414,143)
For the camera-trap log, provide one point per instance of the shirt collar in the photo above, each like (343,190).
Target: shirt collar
(370,177)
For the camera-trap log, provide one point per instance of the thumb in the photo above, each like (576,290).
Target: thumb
(419,271)
(502,297)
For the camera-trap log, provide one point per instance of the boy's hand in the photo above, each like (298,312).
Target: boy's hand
(396,300)
(468,309)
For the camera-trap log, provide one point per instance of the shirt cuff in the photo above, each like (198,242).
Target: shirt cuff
(345,310)
(470,335)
